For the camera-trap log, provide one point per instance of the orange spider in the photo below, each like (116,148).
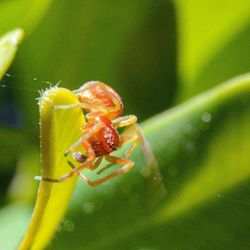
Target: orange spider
(100,136)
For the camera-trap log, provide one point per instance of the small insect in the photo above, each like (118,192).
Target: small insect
(100,137)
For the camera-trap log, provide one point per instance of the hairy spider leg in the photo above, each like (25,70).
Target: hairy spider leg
(118,105)
(90,106)
(96,163)
(86,135)
(83,105)
(156,186)
(76,170)
(90,153)
(125,163)
(133,133)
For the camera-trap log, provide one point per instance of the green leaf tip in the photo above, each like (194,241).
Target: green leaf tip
(59,128)
(8,47)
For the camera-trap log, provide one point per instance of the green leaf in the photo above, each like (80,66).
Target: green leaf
(199,43)
(21,13)
(15,138)
(59,129)
(104,42)
(231,60)
(8,47)
(202,147)
(27,167)
(13,220)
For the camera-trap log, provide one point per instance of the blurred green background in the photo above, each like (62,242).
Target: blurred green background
(156,54)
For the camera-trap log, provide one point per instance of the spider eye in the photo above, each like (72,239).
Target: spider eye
(79,157)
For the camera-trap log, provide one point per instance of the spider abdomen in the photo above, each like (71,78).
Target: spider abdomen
(106,140)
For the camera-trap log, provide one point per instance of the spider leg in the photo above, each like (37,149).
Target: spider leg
(126,166)
(105,168)
(97,163)
(133,133)
(93,106)
(60,179)
(76,170)
(92,167)
(127,154)
(124,121)
(90,132)
(87,106)
(86,164)
(100,106)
